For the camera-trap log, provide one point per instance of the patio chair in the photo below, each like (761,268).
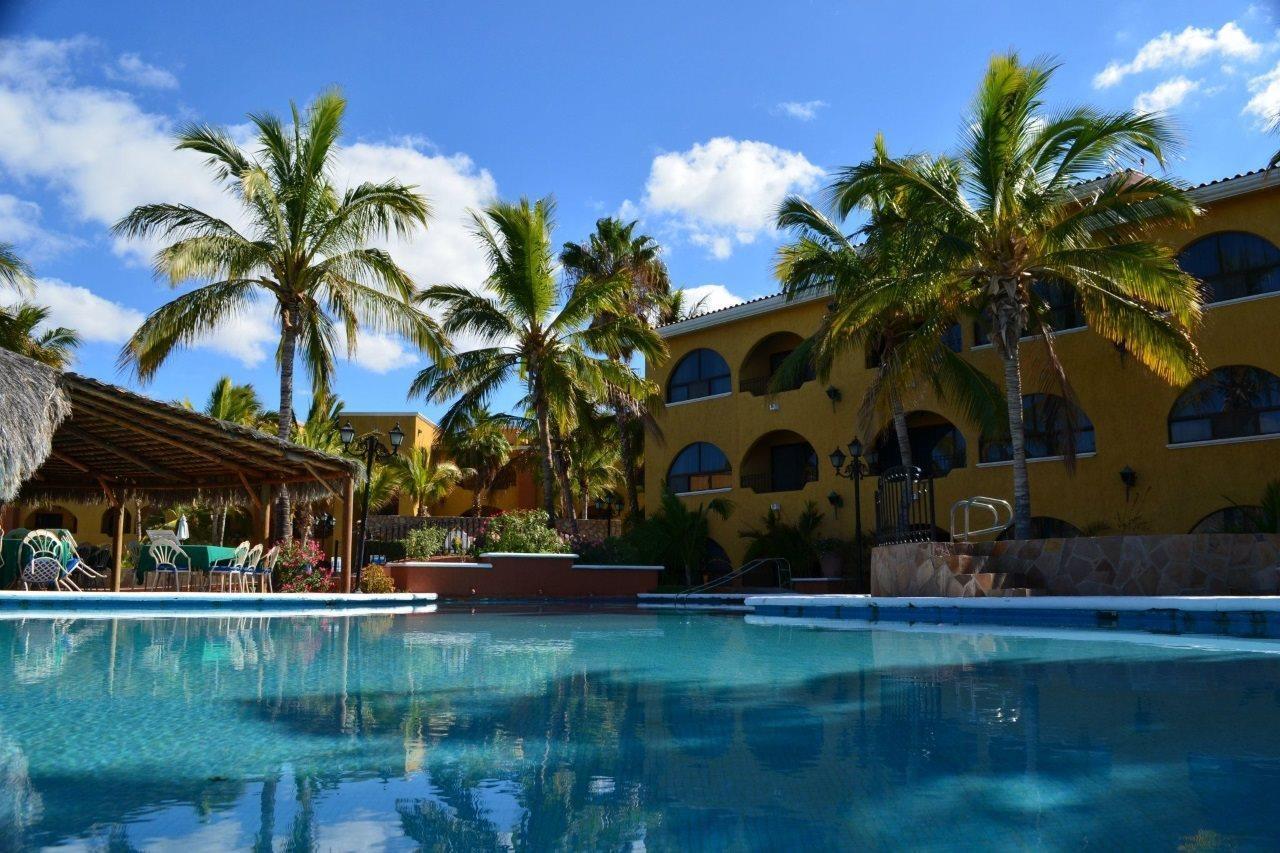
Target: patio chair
(46,566)
(158,535)
(229,569)
(250,570)
(170,560)
(79,562)
(260,576)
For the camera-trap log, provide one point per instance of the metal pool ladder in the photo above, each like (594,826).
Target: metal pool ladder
(781,564)
(994,506)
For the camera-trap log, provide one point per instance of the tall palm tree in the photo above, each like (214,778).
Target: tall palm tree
(616,252)
(528,335)
(238,404)
(319,431)
(1011,209)
(479,442)
(424,480)
(306,247)
(20,332)
(14,271)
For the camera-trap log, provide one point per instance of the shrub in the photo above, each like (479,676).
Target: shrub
(523,532)
(423,542)
(296,568)
(393,551)
(374,578)
(796,543)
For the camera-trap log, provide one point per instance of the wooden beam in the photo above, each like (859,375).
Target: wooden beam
(120,452)
(348,524)
(322,483)
(264,515)
(62,457)
(117,550)
(253,496)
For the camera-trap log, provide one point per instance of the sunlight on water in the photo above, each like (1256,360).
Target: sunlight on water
(621,730)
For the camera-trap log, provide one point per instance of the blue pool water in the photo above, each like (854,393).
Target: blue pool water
(607,730)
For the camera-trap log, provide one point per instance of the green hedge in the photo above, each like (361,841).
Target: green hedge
(391,550)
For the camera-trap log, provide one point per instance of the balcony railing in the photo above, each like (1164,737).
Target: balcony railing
(759,386)
(781,481)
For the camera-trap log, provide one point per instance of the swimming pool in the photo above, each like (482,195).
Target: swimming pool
(556,728)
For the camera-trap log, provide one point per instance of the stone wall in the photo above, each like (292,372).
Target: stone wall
(1188,564)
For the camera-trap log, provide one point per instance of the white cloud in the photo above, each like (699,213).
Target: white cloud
(1183,50)
(20,225)
(1166,95)
(724,192)
(709,297)
(130,68)
(802,110)
(95,318)
(380,353)
(1265,102)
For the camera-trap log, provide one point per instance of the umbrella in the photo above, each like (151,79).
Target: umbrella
(182,531)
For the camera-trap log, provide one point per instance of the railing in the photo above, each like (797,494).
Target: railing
(989,505)
(774,482)
(781,566)
(904,507)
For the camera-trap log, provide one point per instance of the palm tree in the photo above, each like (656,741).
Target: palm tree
(423,480)
(319,431)
(238,404)
(478,442)
(14,271)
(615,252)
(685,530)
(1011,210)
(306,248)
(528,335)
(20,332)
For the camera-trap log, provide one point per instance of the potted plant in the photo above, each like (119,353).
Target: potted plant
(831,557)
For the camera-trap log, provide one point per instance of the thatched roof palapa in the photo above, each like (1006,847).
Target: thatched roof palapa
(77,439)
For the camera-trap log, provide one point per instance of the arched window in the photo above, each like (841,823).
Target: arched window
(701,373)
(108,525)
(699,467)
(1053,427)
(1231,402)
(1233,264)
(937,446)
(1231,519)
(1046,527)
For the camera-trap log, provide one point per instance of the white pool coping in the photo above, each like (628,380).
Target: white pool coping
(16,603)
(1133,603)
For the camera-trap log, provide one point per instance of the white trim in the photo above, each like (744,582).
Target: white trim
(738,312)
(1231,187)
(1213,442)
(722,394)
(488,555)
(1251,298)
(1198,603)
(1033,338)
(439,564)
(694,494)
(418,415)
(608,567)
(1089,455)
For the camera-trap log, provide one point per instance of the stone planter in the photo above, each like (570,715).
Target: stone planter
(831,564)
(523,576)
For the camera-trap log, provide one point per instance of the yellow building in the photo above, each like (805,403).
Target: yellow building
(1192,456)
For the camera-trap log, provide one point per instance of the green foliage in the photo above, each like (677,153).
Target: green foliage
(796,543)
(423,542)
(1269,517)
(374,578)
(23,330)
(676,536)
(523,532)
(422,479)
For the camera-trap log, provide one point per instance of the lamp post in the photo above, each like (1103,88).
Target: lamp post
(855,469)
(373,449)
(611,505)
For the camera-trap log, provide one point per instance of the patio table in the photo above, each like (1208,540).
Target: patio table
(9,548)
(200,555)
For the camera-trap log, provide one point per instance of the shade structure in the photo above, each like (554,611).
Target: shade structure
(66,437)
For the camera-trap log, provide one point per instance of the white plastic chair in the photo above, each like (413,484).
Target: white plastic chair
(170,560)
(46,566)
(229,569)
(249,574)
(261,575)
(75,564)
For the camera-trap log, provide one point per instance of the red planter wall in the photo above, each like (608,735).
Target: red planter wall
(523,576)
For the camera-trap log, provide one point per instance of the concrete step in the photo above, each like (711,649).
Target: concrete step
(987,581)
(1015,592)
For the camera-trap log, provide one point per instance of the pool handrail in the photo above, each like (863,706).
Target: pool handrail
(991,505)
(782,565)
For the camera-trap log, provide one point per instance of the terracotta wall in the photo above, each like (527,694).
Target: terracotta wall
(1188,564)
(523,576)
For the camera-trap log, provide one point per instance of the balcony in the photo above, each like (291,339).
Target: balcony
(762,363)
(780,461)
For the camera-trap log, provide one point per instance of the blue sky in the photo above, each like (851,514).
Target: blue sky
(693,117)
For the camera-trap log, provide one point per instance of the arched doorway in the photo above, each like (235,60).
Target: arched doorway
(779,461)
(937,445)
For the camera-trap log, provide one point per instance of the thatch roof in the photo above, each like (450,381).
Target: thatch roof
(109,444)
(32,405)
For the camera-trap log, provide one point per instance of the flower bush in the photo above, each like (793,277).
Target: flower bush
(296,568)
(522,532)
(424,542)
(374,578)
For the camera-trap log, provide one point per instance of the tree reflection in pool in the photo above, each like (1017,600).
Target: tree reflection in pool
(537,729)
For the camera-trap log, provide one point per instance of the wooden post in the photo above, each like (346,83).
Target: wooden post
(348,525)
(117,549)
(264,517)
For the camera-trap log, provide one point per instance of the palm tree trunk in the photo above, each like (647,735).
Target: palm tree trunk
(220,524)
(904,435)
(548,460)
(628,462)
(1017,443)
(288,351)
(566,490)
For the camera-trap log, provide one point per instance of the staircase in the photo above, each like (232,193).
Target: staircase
(970,570)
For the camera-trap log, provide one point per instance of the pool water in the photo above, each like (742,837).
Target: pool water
(607,730)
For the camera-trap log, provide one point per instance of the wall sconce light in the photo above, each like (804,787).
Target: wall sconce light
(836,501)
(834,395)
(1129,477)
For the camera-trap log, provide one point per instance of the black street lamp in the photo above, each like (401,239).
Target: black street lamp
(610,505)
(855,469)
(373,449)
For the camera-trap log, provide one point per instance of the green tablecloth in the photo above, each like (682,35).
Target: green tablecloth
(200,555)
(13,561)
